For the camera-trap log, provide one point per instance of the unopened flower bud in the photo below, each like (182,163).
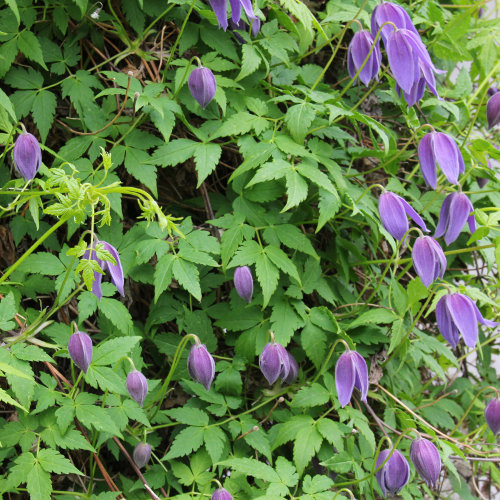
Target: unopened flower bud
(493,110)
(350,372)
(274,362)
(426,459)
(142,454)
(394,475)
(492,415)
(221,494)
(202,85)
(201,365)
(80,350)
(243,282)
(137,386)
(27,156)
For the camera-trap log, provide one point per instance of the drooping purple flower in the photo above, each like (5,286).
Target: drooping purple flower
(243,282)
(394,475)
(394,212)
(493,110)
(426,459)
(274,362)
(390,12)
(416,93)
(455,212)
(220,9)
(492,415)
(358,51)
(458,313)
(201,365)
(137,386)
(202,85)
(350,372)
(221,494)
(411,64)
(142,454)
(80,350)
(429,260)
(437,148)
(115,270)
(293,372)
(27,156)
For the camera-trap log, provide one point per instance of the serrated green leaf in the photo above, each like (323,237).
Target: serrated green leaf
(187,441)
(117,313)
(53,461)
(252,467)
(188,277)
(307,444)
(7,105)
(43,109)
(29,45)
(298,119)
(173,153)
(267,275)
(250,61)
(296,189)
(215,439)
(38,483)
(189,416)
(374,316)
(42,263)
(281,261)
(111,351)
(206,157)
(163,274)
(7,312)
(314,395)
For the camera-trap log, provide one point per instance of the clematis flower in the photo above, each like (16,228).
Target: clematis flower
(243,282)
(80,350)
(394,474)
(426,459)
(437,148)
(458,313)
(394,212)
(455,212)
(27,156)
(115,270)
(202,85)
(492,415)
(142,454)
(220,9)
(493,110)
(221,494)
(293,372)
(201,365)
(416,93)
(274,362)
(429,260)
(137,386)
(359,48)
(350,372)
(390,12)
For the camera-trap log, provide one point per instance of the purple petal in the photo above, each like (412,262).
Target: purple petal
(27,156)
(115,270)
(392,214)
(444,216)
(445,324)
(460,208)
(427,161)
(97,283)
(401,60)
(439,255)
(446,154)
(424,260)
(493,110)
(425,457)
(235,10)
(344,378)
(248,8)
(361,374)
(220,9)
(462,313)
(380,475)
(413,214)
(480,317)
(472,223)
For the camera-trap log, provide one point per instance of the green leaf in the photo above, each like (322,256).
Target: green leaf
(373,316)
(313,340)
(252,467)
(111,351)
(215,439)
(288,430)
(163,274)
(175,152)
(136,163)
(189,416)
(296,189)
(52,461)
(7,399)
(292,237)
(307,397)
(250,61)
(43,109)
(42,263)
(7,105)
(97,417)
(307,444)
(188,277)
(281,260)
(38,483)
(29,45)
(187,441)
(7,311)
(285,321)
(117,313)
(298,119)
(206,157)
(13,7)
(267,275)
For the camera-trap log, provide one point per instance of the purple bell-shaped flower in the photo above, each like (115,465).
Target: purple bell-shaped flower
(394,474)
(274,362)
(201,365)
(429,260)
(243,282)
(80,350)
(456,210)
(137,386)
(492,415)
(390,12)
(358,51)
(27,155)
(493,110)
(456,313)
(221,494)
(142,454)
(350,372)
(426,459)
(202,85)
(220,9)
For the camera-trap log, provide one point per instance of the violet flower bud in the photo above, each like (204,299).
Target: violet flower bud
(243,282)
(437,148)
(426,459)
(274,362)
(201,365)
(142,454)
(27,156)
(220,9)
(350,372)
(455,212)
(80,350)
(492,415)
(390,12)
(429,260)
(458,313)
(137,386)
(393,213)
(221,494)
(202,85)
(293,372)
(394,474)
(359,49)
(493,110)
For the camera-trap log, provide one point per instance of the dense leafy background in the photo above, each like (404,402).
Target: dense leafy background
(276,173)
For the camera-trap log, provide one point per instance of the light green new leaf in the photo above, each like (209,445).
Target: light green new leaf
(250,61)
(373,316)
(7,399)
(298,119)
(296,189)
(38,483)
(7,105)
(307,444)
